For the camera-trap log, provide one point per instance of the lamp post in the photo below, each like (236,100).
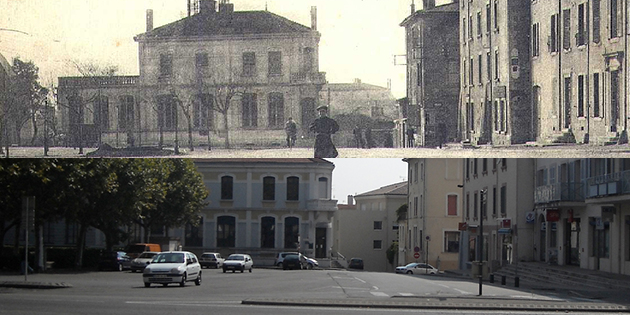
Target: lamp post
(484,194)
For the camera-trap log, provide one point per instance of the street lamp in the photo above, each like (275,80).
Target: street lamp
(484,194)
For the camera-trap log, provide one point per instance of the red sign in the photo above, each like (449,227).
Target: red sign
(416,255)
(462,226)
(553,215)
(506,223)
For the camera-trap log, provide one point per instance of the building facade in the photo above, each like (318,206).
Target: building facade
(360,98)
(499,192)
(265,206)
(582,213)
(247,70)
(433,72)
(368,229)
(579,78)
(495,105)
(428,232)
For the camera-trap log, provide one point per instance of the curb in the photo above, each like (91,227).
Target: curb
(437,303)
(35,285)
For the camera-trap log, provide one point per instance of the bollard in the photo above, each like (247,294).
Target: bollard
(516,282)
(491,278)
(503,280)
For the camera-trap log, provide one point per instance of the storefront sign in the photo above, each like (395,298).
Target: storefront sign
(462,226)
(553,215)
(530,217)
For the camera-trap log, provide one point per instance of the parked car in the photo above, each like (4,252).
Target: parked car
(172,267)
(417,268)
(310,263)
(213,260)
(355,263)
(292,262)
(142,261)
(240,262)
(134,250)
(280,258)
(114,261)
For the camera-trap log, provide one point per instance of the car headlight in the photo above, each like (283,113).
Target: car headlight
(177,270)
(147,270)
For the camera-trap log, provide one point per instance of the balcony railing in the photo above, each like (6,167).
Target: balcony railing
(321,204)
(608,184)
(308,77)
(98,81)
(559,192)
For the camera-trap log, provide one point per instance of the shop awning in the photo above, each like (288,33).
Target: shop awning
(505,231)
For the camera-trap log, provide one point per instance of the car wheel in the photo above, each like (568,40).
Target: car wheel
(309,266)
(224,270)
(133,270)
(183,283)
(233,270)
(120,267)
(242,269)
(147,284)
(198,280)
(250,269)
(280,264)
(164,284)
(409,272)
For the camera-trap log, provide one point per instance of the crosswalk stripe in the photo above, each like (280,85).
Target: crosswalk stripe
(383,294)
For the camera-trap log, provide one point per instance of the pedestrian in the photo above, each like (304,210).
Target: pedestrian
(368,138)
(410,137)
(324,127)
(358,137)
(290,127)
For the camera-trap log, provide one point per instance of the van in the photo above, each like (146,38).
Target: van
(133,251)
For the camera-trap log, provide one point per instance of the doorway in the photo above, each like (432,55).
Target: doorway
(320,242)
(572,242)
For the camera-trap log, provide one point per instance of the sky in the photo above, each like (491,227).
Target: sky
(357,176)
(359,37)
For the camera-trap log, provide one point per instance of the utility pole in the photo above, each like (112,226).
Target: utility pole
(484,194)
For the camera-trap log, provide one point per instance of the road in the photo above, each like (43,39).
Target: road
(123,292)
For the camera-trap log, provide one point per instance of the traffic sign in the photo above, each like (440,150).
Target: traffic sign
(416,249)
(416,255)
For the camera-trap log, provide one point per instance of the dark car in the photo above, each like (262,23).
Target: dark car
(292,262)
(356,263)
(114,261)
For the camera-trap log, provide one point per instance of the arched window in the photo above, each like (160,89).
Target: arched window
(269,188)
(227,187)
(291,232)
(226,231)
(268,232)
(293,188)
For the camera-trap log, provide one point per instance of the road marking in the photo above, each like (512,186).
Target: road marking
(363,281)
(406,294)
(462,291)
(381,294)
(375,288)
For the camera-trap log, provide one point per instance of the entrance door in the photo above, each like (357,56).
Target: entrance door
(572,242)
(543,241)
(320,242)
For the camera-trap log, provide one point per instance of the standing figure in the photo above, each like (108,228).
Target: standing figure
(358,137)
(291,129)
(324,127)
(368,138)
(410,137)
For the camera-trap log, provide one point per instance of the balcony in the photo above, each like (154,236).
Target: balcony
(308,78)
(559,192)
(608,184)
(321,204)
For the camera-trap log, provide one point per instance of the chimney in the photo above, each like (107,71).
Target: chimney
(413,7)
(226,7)
(314,18)
(350,200)
(149,20)
(207,6)
(428,4)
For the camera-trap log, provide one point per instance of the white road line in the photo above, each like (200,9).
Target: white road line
(462,291)
(375,288)
(363,281)
(406,294)
(381,294)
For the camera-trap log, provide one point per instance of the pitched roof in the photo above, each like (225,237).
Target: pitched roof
(227,23)
(353,87)
(393,189)
(451,8)
(265,160)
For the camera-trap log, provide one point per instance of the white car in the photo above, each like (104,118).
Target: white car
(240,262)
(310,263)
(172,267)
(141,262)
(417,268)
(213,260)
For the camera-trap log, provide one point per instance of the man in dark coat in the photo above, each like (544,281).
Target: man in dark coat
(291,129)
(324,127)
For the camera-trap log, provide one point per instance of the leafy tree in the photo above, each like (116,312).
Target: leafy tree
(401,212)
(391,252)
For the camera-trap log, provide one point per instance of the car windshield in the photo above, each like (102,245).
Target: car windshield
(288,257)
(236,257)
(146,255)
(411,265)
(168,258)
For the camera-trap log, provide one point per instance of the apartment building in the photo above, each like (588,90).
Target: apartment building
(368,229)
(498,194)
(495,105)
(429,231)
(433,80)
(579,77)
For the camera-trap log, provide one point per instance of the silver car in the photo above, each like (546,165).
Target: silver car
(172,267)
(240,262)
(142,261)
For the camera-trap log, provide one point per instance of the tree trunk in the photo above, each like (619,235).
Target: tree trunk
(80,246)
(227,130)
(161,138)
(190,139)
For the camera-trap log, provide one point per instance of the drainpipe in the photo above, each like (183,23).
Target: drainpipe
(560,79)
